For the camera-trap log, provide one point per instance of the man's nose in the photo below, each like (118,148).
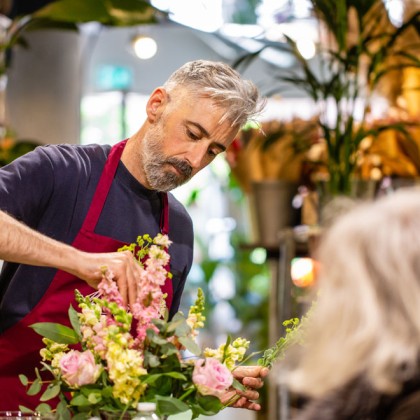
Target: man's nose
(196,155)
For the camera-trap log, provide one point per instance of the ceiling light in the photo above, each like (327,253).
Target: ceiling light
(144,47)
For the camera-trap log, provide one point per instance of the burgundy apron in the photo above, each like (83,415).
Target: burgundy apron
(20,345)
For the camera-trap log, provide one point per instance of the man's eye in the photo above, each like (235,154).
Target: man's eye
(213,152)
(192,136)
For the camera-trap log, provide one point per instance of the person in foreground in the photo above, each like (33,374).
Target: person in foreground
(360,357)
(77,205)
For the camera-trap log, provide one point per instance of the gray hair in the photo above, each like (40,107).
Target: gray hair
(224,85)
(366,320)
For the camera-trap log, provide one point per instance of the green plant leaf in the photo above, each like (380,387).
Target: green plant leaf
(238,385)
(62,411)
(74,11)
(56,332)
(23,379)
(110,12)
(35,387)
(151,360)
(43,409)
(209,405)
(52,391)
(74,320)
(80,401)
(131,12)
(170,406)
(25,409)
(151,379)
(190,345)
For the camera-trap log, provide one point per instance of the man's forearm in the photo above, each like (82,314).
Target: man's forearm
(21,244)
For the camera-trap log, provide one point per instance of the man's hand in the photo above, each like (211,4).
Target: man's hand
(124,267)
(252,378)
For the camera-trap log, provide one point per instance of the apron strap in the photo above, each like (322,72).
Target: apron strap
(164,217)
(103,186)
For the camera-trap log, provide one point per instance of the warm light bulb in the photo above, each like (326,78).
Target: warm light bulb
(303,272)
(144,47)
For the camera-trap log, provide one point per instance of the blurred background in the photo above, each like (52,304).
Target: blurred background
(90,85)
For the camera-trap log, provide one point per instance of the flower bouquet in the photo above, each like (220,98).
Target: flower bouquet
(114,357)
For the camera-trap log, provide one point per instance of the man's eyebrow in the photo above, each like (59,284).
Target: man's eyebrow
(205,133)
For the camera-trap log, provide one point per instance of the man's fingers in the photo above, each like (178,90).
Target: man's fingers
(244,403)
(250,394)
(122,287)
(250,371)
(255,383)
(132,277)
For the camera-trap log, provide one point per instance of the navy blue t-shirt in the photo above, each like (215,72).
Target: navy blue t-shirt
(50,190)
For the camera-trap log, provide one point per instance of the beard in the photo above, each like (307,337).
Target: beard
(155,164)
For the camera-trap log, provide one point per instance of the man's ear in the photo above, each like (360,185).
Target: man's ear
(156,103)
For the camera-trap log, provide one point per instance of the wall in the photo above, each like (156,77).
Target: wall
(43,91)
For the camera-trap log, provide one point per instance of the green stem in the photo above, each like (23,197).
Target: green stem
(185,395)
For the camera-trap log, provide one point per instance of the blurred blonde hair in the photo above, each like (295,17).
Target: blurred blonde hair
(366,321)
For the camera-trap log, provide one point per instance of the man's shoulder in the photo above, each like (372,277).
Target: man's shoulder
(73,157)
(57,152)
(178,210)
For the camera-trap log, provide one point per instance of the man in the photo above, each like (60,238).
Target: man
(96,198)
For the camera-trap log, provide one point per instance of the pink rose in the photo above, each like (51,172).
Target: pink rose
(211,377)
(79,368)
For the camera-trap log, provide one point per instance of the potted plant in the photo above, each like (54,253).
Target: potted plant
(269,163)
(361,49)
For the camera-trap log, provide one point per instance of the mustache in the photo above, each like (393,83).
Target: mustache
(181,165)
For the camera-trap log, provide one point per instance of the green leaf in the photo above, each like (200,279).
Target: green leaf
(74,11)
(74,320)
(111,12)
(190,345)
(35,387)
(80,401)
(131,12)
(209,405)
(52,391)
(182,329)
(238,385)
(151,360)
(177,320)
(56,332)
(62,411)
(226,348)
(23,379)
(170,406)
(25,409)
(168,349)
(150,379)
(95,397)
(43,409)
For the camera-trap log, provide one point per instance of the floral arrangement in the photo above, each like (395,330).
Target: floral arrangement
(112,359)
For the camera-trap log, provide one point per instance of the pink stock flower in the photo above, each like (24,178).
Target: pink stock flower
(79,368)
(109,289)
(211,377)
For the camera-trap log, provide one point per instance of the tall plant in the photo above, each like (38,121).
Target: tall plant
(362,48)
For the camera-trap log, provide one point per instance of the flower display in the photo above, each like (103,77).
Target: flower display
(115,356)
